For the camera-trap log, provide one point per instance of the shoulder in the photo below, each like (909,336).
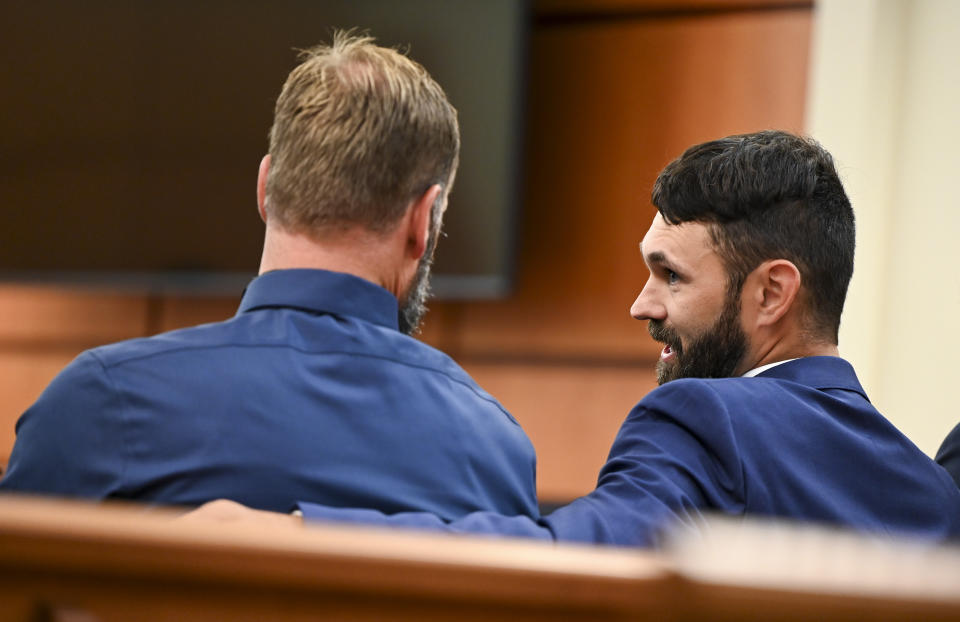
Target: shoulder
(718,392)
(712,407)
(139,348)
(684,410)
(683,394)
(426,360)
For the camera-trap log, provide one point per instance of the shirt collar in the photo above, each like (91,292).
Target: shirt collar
(321,291)
(819,372)
(759,370)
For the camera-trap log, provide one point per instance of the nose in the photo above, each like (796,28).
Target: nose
(647,306)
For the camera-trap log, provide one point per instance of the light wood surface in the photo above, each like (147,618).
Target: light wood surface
(63,560)
(120,563)
(760,569)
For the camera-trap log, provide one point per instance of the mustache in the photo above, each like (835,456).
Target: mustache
(660,332)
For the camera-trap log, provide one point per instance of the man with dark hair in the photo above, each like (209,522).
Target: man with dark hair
(766,196)
(312,391)
(750,256)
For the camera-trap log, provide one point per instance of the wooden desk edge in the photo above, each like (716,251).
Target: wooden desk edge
(112,539)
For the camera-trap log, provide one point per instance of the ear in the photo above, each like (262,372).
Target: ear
(772,289)
(262,186)
(418,221)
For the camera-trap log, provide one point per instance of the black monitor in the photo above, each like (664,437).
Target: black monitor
(132,131)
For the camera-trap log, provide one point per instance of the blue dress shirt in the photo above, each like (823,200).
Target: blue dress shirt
(798,441)
(309,392)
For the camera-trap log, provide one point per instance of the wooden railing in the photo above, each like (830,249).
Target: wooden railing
(63,560)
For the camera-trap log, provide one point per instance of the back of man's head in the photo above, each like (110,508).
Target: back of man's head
(769,195)
(359,131)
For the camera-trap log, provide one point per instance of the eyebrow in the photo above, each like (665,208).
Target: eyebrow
(656,257)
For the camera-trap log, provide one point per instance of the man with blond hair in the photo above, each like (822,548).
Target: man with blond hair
(314,390)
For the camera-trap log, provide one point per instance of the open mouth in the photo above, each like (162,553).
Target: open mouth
(667,353)
(666,336)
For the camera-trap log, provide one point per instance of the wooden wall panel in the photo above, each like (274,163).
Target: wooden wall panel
(30,315)
(585,9)
(572,413)
(610,104)
(179,312)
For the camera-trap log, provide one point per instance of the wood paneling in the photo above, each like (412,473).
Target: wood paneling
(633,7)
(610,105)
(572,413)
(32,315)
(179,312)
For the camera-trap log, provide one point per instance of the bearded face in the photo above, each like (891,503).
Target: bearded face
(714,353)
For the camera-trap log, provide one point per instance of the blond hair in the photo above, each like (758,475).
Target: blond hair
(359,130)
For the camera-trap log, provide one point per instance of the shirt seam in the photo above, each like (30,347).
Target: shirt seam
(123,416)
(473,389)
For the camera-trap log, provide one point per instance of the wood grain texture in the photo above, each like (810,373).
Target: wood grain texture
(121,563)
(64,560)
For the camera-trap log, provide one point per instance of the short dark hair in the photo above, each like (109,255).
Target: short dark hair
(768,195)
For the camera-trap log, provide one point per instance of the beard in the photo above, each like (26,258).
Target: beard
(715,353)
(414,305)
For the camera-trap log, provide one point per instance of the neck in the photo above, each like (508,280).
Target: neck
(776,355)
(796,345)
(355,251)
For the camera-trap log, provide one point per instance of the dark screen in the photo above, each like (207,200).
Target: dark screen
(132,132)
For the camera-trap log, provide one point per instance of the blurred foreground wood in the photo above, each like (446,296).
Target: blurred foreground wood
(63,560)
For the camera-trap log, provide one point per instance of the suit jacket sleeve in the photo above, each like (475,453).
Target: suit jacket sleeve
(70,441)
(948,456)
(675,454)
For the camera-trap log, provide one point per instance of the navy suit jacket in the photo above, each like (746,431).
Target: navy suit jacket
(800,441)
(949,454)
